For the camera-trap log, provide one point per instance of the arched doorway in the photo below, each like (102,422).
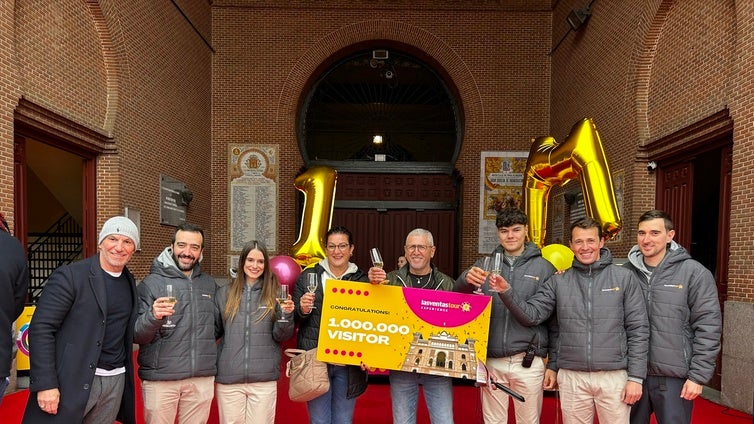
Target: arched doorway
(389,122)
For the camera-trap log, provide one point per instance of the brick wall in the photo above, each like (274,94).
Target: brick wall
(139,74)
(496,60)
(643,73)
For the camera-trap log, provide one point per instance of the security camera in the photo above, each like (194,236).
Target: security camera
(651,166)
(389,74)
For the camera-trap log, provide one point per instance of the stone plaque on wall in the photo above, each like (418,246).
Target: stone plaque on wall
(252,195)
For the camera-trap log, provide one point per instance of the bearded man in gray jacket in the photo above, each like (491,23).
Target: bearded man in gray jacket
(177,350)
(684,312)
(603,332)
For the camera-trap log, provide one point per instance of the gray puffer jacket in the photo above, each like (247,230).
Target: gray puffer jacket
(601,317)
(250,350)
(507,336)
(684,312)
(188,349)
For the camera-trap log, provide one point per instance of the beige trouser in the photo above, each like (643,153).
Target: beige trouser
(249,403)
(191,399)
(525,381)
(582,391)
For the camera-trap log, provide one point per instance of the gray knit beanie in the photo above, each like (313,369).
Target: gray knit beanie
(122,226)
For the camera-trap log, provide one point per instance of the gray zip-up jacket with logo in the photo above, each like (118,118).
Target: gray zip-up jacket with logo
(250,349)
(507,336)
(188,349)
(684,312)
(601,316)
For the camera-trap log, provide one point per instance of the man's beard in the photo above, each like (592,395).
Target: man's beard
(184,267)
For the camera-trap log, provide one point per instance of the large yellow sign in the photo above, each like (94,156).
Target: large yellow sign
(22,340)
(415,330)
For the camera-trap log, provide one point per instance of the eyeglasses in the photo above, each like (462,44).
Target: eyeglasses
(420,247)
(342,247)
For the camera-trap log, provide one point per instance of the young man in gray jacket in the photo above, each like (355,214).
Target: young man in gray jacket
(602,324)
(684,312)
(525,270)
(177,359)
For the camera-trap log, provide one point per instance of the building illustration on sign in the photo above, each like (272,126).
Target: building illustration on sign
(441,354)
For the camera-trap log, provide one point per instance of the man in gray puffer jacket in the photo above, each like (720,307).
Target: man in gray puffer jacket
(525,269)
(177,360)
(603,332)
(684,310)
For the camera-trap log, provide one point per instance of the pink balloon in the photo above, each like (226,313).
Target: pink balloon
(286,269)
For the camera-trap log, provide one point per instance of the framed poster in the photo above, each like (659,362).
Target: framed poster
(502,179)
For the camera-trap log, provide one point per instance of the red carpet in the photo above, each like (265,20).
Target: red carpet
(373,407)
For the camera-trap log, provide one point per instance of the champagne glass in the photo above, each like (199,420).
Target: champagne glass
(496,263)
(377,262)
(311,284)
(282,297)
(172,300)
(486,270)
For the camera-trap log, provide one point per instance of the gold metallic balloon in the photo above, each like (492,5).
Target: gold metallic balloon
(318,186)
(580,156)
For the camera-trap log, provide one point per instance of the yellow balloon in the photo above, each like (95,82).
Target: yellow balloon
(318,186)
(560,256)
(581,156)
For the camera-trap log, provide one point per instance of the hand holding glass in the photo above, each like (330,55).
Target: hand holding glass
(311,285)
(172,300)
(496,267)
(282,297)
(377,262)
(485,271)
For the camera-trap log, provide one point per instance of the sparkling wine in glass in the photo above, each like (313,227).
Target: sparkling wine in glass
(311,284)
(496,263)
(172,300)
(377,262)
(486,270)
(282,297)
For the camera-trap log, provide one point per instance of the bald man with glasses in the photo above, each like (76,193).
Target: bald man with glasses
(404,386)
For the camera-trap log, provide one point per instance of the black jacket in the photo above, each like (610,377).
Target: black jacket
(308,330)
(14,281)
(65,342)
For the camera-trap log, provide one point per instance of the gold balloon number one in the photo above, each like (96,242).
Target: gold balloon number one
(318,186)
(551,163)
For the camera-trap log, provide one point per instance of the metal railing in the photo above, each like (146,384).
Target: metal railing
(61,243)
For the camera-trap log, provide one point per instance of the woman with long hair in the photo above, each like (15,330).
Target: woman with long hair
(253,327)
(346,382)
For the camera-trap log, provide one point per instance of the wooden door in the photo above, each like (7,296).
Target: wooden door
(674,196)
(381,209)
(387,230)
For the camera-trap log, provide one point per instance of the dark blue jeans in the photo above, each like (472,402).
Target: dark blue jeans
(333,407)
